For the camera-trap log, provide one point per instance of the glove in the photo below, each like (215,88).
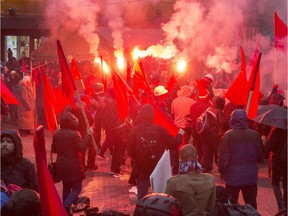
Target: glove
(181,131)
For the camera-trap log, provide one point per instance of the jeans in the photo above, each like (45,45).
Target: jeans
(249,193)
(71,191)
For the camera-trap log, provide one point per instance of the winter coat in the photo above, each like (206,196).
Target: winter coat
(18,170)
(26,111)
(143,120)
(195,191)
(68,145)
(239,150)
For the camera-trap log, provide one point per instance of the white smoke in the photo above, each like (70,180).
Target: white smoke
(67,17)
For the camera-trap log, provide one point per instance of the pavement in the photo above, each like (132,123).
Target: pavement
(109,193)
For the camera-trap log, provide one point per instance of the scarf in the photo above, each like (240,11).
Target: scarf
(185,167)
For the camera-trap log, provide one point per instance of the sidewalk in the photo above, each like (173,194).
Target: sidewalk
(107,192)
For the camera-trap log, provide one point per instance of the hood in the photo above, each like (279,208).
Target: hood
(68,120)
(14,134)
(238,119)
(146,114)
(218,102)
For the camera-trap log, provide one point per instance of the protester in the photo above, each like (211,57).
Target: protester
(25,202)
(239,150)
(196,109)
(204,87)
(68,145)
(277,143)
(211,137)
(15,169)
(195,190)
(26,112)
(145,138)
(159,204)
(161,96)
(116,133)
(180,110)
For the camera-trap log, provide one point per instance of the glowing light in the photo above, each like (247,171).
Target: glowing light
(97,60)
(138,53)
(105,67)
(121,62)
(181,65)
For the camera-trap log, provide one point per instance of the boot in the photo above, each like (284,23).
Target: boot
(279,200)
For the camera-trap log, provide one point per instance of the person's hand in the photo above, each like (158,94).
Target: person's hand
(181,131)
(90,131)
(275,86)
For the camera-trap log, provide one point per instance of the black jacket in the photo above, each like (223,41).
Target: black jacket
(18,170)
(68,145)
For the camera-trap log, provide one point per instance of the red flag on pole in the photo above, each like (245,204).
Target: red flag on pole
(75,70)
(7,95)
(254,90)
(49,104)
(68,85)
(121,94)
(140,80)
(51,204)
(280,31)
(238,91)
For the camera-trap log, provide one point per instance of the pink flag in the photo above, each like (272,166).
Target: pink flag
(280,31)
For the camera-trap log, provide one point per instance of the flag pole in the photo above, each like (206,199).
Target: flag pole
(77,94)
(253,83)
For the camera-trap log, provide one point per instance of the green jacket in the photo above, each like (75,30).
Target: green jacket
(195,191)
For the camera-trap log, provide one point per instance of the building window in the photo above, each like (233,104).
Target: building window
(19,45)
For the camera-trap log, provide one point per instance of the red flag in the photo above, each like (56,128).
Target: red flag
(74,70)
(121,94)
(237,93)
(280,31)
(68,85)
(140,80)
(7,95)
(51,204)
(254,90)
(49,104)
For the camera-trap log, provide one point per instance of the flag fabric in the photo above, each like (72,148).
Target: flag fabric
(68,85)
(50,201)
(140,80)
(7,95)
(280,31)
(254,90)
(75,70)
(49,104)
(237,93)
(121,94)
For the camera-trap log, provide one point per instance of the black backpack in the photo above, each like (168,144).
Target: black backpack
(149,148)
(207,122)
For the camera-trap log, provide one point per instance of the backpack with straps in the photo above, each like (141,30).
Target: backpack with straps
(207,122)
(149,148)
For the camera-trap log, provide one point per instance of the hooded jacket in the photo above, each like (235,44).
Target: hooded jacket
(145,119)
(17,169)
(68,145)
(239,150)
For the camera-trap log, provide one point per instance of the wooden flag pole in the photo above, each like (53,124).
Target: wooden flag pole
(77,94)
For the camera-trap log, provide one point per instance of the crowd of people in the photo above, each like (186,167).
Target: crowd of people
(231,143)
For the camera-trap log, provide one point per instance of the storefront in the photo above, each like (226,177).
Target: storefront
(22,35)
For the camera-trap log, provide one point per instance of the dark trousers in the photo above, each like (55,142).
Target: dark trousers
(143,183)
(119,139)
(71,191)
(210,144)
(197,143)
(249,193)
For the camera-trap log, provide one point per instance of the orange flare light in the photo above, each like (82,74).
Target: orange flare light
(181,65)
